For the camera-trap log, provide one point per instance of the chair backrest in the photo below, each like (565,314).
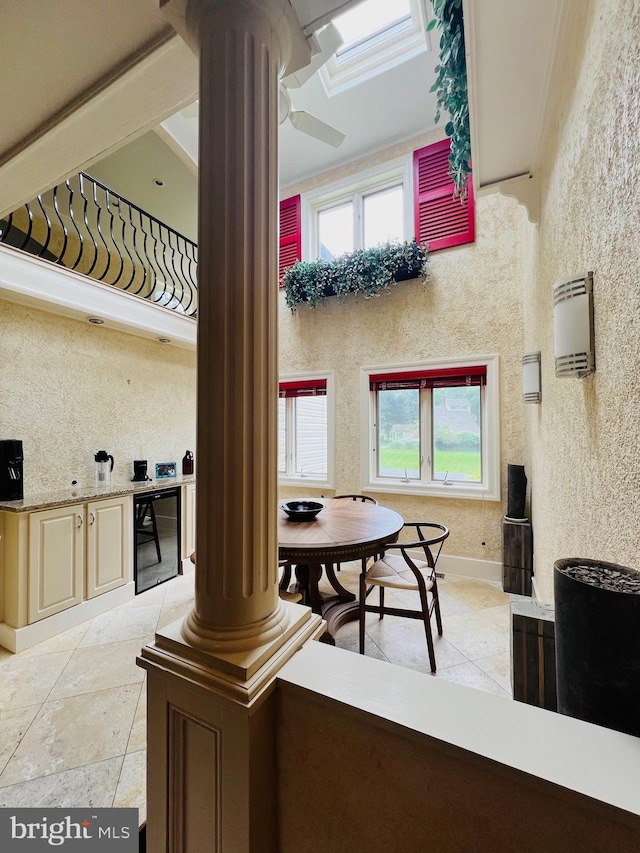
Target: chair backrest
(430,534)
(363,498)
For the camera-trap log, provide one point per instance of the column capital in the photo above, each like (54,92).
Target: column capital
(187,17)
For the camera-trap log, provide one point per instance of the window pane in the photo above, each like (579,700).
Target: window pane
(335,231)
(383,216)
(457,434)
(311,436)
(399,433)
(368,18)
(282,435)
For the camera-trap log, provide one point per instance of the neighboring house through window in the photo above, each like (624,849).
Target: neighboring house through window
(305,434)
(432,428)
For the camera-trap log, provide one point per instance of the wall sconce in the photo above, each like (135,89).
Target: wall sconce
(531,378)
(573,326)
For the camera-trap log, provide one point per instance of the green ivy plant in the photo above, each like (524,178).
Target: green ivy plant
(364,271)
(451,89)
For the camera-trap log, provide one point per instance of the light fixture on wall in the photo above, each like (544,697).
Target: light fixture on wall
(573,326)
(531,378)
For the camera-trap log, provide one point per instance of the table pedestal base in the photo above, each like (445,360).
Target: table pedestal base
(336,609)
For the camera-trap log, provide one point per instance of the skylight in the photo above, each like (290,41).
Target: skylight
(377,35)
(372,21)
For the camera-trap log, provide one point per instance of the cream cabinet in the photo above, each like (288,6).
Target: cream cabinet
(77,552)
(188,520)
(55,565)
(109,556)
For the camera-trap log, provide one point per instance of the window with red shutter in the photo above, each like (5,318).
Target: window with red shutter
(290,235)
(433,428)
(441,220)
(305,432)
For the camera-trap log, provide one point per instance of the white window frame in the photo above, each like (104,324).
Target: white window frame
(301,479)
(378,53)
(354,188)
(488,488)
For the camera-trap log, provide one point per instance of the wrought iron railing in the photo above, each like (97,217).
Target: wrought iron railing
(87,227)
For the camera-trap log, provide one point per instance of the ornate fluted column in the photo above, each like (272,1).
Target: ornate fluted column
(242,48)
(210,761)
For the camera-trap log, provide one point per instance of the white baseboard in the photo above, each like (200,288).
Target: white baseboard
(187,566)
(536,590)
(19,639)
(468,567)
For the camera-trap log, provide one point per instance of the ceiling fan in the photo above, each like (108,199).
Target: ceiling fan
(328,40)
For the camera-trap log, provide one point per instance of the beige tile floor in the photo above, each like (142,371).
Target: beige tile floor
(72,709)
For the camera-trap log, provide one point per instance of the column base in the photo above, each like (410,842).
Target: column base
(226,662)
(211,739)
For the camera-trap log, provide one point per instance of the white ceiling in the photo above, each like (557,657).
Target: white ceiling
(53,51)
(57,56)
(391,106)
(510,54)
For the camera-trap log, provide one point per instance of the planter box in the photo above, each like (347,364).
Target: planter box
(533,649)
(598,647)
(517,557)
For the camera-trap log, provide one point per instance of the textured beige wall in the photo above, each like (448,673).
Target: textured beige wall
(584,437)
(470,306)
(68,389)
(372,786)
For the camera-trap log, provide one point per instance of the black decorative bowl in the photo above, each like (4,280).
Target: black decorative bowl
(302,510)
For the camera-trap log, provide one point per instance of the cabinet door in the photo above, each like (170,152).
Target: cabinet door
(109,544)
(56,560)
(188,520)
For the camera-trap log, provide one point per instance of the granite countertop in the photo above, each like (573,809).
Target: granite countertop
(79,494)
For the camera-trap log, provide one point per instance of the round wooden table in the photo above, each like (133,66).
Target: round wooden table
(344,530)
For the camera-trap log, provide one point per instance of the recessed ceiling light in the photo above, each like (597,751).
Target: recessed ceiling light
(158,182)
(97,321)
(165,340)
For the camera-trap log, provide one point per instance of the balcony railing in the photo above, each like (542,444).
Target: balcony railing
(87,227)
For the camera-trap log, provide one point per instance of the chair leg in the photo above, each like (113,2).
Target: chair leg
(436,606)
(382,602)
(361,611)
(424,598)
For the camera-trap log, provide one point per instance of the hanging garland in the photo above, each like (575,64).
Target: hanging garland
(364,271)
(451,89)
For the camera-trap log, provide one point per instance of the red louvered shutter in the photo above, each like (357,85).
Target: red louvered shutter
(290,235)
(441,221)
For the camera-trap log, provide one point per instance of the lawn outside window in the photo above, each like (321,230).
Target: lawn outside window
(432,428)
(305,430)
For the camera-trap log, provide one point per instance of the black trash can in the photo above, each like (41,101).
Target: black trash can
(597,615)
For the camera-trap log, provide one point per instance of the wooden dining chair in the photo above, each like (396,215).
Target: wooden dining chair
(363,499)
(400,568)
(285,579)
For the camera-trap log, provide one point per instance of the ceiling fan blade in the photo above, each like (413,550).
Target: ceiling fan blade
(313,126)
(191,111)
(329,40)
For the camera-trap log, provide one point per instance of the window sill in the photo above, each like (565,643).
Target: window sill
(476,491)
(308,482)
